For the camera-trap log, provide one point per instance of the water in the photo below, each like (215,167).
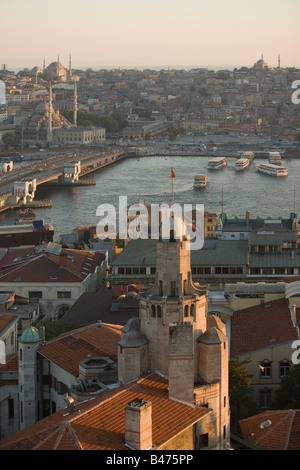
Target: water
(149,177)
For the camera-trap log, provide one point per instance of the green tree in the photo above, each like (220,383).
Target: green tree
(10,140)
(54,328)
(288,394)
(240,393)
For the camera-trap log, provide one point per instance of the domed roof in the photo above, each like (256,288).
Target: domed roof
(30,335)
(212,336)
(132,337)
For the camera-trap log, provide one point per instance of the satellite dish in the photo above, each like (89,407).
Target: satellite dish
(265,424)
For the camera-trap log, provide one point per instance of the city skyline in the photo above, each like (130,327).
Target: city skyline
(143,34)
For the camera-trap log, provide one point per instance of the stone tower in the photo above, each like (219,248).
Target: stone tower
(29,342)
(175,336)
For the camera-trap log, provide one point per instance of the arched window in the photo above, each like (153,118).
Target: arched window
(192,313)
(158,311)
(186,311)
(153,311)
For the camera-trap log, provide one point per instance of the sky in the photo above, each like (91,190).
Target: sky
(145,33)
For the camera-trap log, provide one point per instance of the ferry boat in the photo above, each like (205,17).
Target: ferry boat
(216,163)
(270,169)
(249,155)
(275,158)
(241,164)
(200,181)
(26,216)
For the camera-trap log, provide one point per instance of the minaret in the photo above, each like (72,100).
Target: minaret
(70,66)
(50,108)
(75,105)
(279,61)
(44,65)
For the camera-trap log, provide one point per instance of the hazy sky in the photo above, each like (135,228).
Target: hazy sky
(140,33)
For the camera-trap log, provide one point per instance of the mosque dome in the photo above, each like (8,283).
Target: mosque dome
(30,335)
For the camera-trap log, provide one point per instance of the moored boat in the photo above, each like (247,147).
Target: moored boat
(216,163)
(241,164)
(275,158)
(249,155)
(270,169)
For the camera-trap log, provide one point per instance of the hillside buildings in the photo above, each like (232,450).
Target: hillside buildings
(174,347)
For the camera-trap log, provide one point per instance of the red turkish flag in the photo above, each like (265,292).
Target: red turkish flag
(172,173)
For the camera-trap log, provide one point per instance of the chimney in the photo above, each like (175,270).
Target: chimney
(138,424)
(63,259)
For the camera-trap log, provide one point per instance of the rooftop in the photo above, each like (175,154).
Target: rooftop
(273,430)
(261,326)
(68,349)
(99,423)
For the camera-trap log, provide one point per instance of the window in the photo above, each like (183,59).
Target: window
(173,289)
(186,311)
(35,294)
(158,311)
(152,270)
(284,368)
(265,369)
(64,295)
(264,398)
(11,409)
(203,441)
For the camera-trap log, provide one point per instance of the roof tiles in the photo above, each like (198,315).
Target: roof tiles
(99,424)
(261,326)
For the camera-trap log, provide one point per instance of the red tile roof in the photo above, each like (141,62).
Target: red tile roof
(67,266)
(253,328)
(39,269)
(99,424)
(11,363)
(280,432)
(5,320)
(68,349)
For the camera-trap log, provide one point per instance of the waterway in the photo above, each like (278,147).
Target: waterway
(149,177)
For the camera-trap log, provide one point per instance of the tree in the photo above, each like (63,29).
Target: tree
(10,140)
(58,327)
(288,394)
(240,393)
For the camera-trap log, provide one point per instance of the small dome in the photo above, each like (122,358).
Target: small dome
(132,337)
(30,335)
(212,336)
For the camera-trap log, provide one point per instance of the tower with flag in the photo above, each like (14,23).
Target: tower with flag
(172,177)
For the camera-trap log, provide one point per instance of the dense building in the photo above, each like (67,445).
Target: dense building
(171,387)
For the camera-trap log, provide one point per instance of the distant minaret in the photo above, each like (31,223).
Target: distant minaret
(279,61)
(50,108)
(44,65)
(70,66)
(75,105)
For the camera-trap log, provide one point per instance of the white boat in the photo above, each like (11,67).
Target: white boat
(200,181)
(275,158)
(270,169)
(249,155)
(241,164)
(216,163)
